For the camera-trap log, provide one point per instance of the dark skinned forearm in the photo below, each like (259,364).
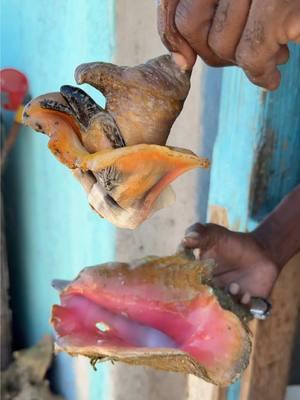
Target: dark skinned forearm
(279,233)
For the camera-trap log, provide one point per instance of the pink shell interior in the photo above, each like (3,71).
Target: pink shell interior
(115,311)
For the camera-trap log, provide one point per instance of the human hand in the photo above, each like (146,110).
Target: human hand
(244,267)
(252,35)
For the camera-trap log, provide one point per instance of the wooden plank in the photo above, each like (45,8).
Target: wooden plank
(5,312)
(268,373)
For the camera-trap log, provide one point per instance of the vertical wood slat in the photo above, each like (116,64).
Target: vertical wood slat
(255,163)
(5,312)
(268,373)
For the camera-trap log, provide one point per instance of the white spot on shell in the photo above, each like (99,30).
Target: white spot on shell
(102,326)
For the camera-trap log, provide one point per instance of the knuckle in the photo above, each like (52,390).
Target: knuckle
(184,20)
(212,227)
(188,26)
(243,58)
(214,233)
(191,228)
(218,48)
(250,61)
(195,31)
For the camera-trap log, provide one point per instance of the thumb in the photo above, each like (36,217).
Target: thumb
(293,27)
(196,236)
(183,55)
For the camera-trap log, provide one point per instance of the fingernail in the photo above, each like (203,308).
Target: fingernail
(180,61)
(246,298)
(234,288)
(192,235)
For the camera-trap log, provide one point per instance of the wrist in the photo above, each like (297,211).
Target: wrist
(279,233)
(265,235)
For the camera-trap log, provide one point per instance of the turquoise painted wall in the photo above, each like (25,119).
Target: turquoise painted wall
(52,232)
(257,146)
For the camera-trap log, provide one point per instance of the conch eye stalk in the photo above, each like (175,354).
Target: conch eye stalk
(118,154)
(157,312)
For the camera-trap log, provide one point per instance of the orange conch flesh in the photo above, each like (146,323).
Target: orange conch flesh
(158,312)
(118,154)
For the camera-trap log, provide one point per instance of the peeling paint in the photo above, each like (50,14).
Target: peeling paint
(261,172)
(218,215)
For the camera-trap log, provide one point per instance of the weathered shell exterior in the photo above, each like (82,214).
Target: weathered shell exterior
(144,100)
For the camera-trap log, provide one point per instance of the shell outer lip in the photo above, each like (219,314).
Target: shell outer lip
(161,353)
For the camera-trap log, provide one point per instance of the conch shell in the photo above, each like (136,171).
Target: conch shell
(118,154)
(157,312)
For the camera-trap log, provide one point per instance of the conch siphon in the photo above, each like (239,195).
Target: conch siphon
(118,153)
(157,312)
